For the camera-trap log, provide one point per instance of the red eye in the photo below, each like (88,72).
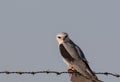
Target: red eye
(59,37)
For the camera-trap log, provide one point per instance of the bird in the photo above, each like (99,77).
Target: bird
(74,57)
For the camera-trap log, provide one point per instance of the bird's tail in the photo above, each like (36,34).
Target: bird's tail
(84,70)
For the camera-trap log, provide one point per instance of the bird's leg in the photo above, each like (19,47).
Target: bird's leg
(71,68)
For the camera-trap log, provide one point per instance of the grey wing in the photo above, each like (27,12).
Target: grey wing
(82,57)
(79,51)
(83,62)
(81,54)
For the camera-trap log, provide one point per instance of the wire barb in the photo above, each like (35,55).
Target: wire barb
(107,73)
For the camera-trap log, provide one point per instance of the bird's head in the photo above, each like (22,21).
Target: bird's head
(62,37)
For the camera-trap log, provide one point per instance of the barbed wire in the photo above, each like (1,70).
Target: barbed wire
(54,72)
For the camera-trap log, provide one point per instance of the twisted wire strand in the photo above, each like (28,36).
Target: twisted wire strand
(54,72)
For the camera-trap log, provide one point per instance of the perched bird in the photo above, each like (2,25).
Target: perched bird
(74,57)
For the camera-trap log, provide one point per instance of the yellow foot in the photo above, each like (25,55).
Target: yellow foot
(71,68)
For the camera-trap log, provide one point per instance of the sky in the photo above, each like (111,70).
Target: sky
(28,31)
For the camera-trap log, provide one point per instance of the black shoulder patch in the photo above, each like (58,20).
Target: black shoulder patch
(65,53)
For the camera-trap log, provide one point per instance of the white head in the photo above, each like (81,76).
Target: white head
(62,37)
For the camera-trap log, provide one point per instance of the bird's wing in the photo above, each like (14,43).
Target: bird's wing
(75,57)
(65,54)
(79,51)
(81,56)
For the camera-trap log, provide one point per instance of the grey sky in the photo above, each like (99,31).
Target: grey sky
(28,29)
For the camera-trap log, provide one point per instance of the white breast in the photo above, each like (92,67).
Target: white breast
(66,62)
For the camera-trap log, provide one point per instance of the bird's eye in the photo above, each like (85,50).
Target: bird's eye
(59,37)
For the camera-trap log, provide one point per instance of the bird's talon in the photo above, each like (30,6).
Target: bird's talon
(71,69)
